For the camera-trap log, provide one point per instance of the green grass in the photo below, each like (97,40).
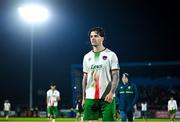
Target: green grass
(73,120)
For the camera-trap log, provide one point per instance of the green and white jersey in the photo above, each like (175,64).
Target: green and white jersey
(98,67)
(172,105)
(7,106)
(52,97)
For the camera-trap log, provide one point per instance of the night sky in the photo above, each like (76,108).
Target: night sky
(137,30)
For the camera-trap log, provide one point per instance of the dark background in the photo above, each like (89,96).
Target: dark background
(138,31)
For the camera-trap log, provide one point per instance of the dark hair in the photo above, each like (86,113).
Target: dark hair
(126,75)
(53,83)
(6,101)
(99,31)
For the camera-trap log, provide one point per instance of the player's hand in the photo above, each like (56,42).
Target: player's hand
(109,97)
(83,103)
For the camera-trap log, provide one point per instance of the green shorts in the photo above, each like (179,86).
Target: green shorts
(172,111)
(52,111)
(94,109)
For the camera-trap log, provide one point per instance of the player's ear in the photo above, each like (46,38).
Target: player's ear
(102,40)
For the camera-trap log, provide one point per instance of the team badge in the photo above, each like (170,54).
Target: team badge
(104,57)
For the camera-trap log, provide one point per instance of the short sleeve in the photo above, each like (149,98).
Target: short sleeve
(58,93)
(114,62)
(48,94)
(85,67)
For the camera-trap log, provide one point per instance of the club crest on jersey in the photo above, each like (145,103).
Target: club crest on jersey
(129,87)
(104,57)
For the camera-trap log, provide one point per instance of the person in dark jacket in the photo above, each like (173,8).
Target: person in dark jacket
(127,96)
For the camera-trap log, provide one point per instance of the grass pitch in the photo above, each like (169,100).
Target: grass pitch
(13,119)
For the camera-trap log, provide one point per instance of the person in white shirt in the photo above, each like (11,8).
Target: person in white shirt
(172,108)
(53,97)
(144,110)
(100,79)
(7,107)
(135,111)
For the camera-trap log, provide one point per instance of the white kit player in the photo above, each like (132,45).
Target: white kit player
(7,107)
(53,97)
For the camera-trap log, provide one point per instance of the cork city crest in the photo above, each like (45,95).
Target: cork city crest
(104,57)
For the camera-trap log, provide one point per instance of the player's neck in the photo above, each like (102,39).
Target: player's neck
(98,48)
(125,83)
(53,90)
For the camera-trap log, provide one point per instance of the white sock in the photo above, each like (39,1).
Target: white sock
(53,120)
(81,118)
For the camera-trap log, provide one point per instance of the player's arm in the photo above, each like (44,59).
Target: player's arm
(135,95)
(176,105)
(115,81)
(84,83)
(47,99)
(115,77)
(84,80)
(117,92)
(168,106)
(58,97)
(3,108)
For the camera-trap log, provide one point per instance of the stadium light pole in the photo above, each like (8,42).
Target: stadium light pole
(32,14)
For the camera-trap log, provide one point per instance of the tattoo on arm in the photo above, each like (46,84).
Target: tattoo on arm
(115,80)
(84,83)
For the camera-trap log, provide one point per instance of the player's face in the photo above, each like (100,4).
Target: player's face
(53,87)
(96,39)
(124,79)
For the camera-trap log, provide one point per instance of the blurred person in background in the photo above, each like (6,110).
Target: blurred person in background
(7,108)
(53,97)
(172,108)
(79,109)
(144,110)
(135,111)
(127,96)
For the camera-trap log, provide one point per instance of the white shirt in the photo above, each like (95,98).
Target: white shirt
(52,97)
(7,106)
(143,106)
(98,67)
(172,105)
